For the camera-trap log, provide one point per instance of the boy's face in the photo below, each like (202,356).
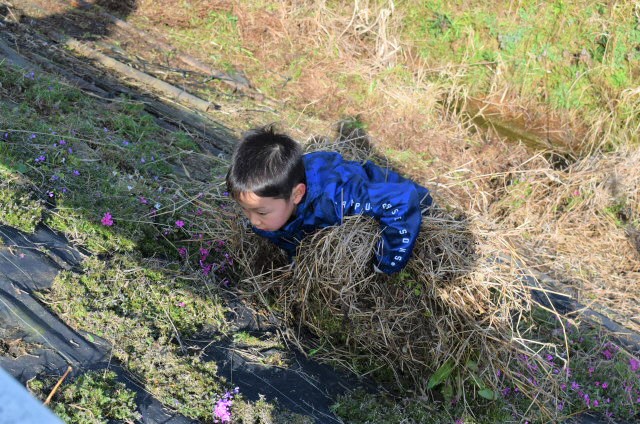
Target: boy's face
(269,213)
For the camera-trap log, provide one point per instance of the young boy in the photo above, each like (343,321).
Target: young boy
(287,195)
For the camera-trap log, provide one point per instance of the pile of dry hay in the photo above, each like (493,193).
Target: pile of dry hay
(460,306)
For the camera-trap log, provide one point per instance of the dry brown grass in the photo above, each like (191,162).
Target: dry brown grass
(580,224)
(460,300)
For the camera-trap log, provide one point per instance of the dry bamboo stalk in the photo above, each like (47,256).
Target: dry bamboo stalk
(55,388)
(169,90)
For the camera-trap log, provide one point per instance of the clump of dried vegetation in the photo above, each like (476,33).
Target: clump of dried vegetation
(591,206)
(457,317)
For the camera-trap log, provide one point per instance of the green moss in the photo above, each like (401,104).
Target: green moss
(147,314)
(94,397)
(18,208)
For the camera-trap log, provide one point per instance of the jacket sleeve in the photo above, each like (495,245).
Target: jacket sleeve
(396,206)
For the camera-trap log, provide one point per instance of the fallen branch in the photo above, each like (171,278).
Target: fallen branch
(55,388)
(169,90)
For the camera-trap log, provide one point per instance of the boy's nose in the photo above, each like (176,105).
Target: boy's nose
(254,221)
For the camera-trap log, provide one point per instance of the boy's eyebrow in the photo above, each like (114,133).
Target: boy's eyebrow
(264,208)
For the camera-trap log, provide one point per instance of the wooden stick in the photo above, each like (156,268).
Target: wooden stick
(55,388)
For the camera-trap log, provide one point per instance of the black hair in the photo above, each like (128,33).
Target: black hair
(266,163)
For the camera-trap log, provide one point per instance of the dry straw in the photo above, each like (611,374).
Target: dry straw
(461,301)
(580,224)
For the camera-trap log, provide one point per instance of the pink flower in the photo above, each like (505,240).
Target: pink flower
(107,219)
(222,411)
(181,304)
(634,364)
(180,223)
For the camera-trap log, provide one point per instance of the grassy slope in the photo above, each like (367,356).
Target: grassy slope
(568,67)
(447,51)
(388,62)
(67,160)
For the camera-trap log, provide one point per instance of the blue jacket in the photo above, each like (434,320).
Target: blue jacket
(338,188)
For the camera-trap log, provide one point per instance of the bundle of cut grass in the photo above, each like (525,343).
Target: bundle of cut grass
(457,317)
(454,317)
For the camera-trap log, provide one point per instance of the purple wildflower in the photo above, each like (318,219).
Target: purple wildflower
(41,158)
(634,364)
(182,251)
(222,411)
(76,172)
(62,142)
(605,385)
(107,219)
(206,268)
(607,354)
(575,385)
(180,223)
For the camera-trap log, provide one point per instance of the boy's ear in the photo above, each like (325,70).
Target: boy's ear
(298,193)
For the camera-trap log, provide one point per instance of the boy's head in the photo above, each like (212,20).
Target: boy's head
(267,177)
